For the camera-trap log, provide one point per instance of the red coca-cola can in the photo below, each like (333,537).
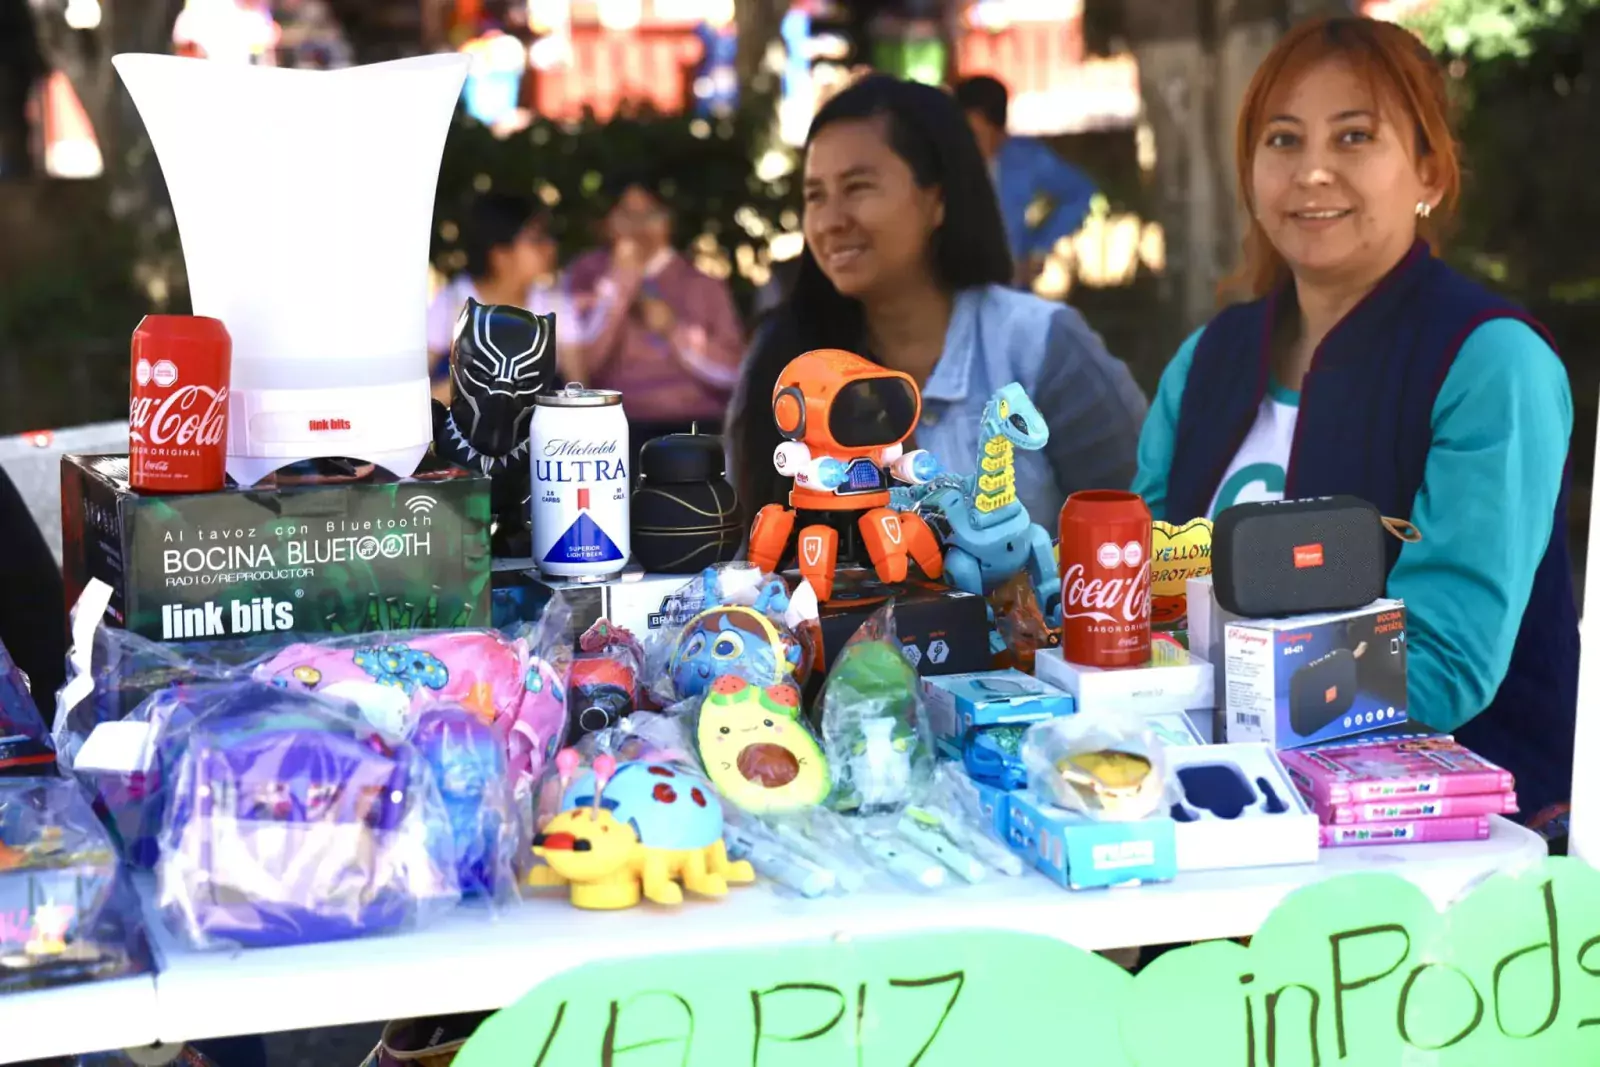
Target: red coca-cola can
(178,404)
(1105,579)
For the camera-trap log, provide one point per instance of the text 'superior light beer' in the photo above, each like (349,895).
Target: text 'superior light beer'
(579,452)
(178,404)
(1105,579)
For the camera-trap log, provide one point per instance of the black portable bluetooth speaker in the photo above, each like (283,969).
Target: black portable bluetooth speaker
(1321,691)
(1298,557)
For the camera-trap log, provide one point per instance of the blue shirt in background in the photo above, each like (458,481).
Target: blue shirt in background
(1026,169)
(1087,396)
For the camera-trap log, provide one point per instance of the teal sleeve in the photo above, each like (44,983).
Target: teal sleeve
(1161,430)
(1501,426)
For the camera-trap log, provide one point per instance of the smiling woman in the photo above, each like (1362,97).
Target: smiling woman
(1363,365)
(906,262)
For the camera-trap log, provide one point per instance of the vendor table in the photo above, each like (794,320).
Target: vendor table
(475,961)
(85,1018)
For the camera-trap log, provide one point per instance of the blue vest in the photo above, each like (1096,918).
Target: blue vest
(1365,428)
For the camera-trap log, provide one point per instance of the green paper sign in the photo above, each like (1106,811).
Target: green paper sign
(946,998)
(1357,970)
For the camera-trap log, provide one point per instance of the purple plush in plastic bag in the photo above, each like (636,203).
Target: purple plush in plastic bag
(25,746)
(288,823)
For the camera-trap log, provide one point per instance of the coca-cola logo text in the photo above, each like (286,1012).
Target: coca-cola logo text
(193,415)
(1107,599)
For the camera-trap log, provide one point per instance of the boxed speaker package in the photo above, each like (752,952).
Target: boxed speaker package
(346,555)
(1293,682)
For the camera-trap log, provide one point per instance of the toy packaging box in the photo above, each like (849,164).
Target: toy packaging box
(936,625)
(1082,853)
(960,702)
(1238,807)
(1406,832)
(1300,681)
(1413,767)
(345,556)
(1174,680)
(995,805)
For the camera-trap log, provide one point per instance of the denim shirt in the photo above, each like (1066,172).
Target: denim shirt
(1088,398)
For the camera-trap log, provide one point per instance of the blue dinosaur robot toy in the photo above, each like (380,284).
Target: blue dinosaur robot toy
(987,533)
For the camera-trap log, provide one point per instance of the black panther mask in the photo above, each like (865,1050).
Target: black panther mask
(501,358)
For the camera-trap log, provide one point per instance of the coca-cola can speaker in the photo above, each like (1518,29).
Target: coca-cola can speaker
(1105,579)
(178,404)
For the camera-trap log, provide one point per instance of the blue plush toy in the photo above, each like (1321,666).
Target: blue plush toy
(737,640)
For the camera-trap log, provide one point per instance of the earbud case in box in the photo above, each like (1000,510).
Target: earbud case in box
(1239,808)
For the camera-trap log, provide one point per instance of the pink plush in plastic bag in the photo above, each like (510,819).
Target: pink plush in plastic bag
(391,677)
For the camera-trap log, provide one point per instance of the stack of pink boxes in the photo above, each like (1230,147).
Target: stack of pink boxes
(1400,790)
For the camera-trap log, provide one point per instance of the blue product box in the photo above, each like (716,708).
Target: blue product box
(959,702)
(996,806)
(1082,853)
(1302,681)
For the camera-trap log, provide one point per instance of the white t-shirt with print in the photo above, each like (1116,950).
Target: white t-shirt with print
(1257,470)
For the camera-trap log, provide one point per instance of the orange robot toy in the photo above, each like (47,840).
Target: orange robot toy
(845,420)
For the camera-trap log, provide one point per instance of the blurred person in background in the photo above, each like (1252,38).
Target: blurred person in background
(1024,170)
(33,612)
(656,327)
(22,66)
(228,31)
(512,258)
(905,262)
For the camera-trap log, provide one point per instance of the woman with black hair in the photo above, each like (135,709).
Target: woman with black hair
(906,262)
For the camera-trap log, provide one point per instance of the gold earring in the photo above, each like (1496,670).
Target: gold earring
(1424,209)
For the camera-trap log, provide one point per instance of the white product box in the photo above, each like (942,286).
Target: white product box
(1176,680)
(1264,821)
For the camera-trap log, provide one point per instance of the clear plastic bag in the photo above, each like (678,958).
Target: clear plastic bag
(745,623)
(290,822)
(1105,765)
(66,911)
(604,682)
(614,831)
(875,728)
(111,672)
(757,749)
(468,763)
(515,684)
(25,745)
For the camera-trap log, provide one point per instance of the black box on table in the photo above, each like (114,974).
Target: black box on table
(330,557)
(941,630)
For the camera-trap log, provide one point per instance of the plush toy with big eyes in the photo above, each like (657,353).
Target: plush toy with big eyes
(733,640)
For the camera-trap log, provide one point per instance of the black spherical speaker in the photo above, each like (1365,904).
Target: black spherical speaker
(685,514)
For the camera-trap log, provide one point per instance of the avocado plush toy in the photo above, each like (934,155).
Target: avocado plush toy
(757,749)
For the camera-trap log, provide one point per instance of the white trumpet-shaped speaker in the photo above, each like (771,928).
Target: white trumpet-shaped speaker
(304,202)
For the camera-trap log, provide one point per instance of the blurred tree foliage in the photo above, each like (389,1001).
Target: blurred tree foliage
(1524,75)
(725,213)
(1495,29)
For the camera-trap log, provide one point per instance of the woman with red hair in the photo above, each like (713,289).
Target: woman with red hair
(1362,364)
